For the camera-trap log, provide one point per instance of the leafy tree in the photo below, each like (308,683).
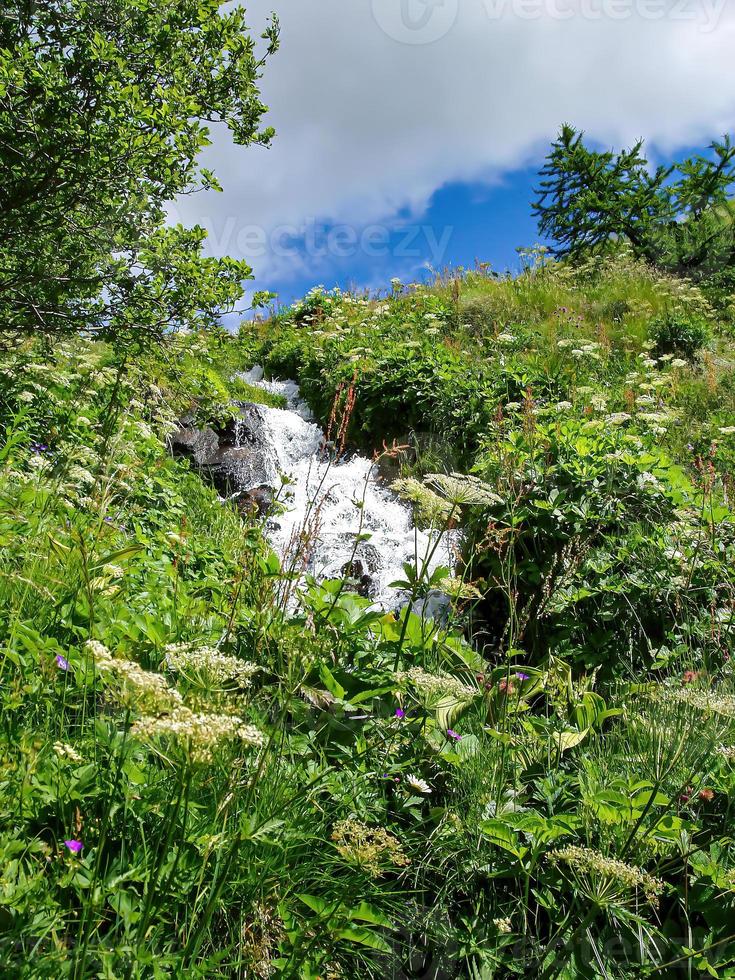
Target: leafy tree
(677,216)
(105,106)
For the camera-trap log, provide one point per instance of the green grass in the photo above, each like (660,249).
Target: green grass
(544,786)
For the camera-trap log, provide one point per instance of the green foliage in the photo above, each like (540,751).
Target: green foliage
(104,108)
(581,503)
(542,785)
(679,334)
(588,198)
(677,217)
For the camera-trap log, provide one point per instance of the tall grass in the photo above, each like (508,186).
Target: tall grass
(200,778)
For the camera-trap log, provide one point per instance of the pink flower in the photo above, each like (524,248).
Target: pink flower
(75,846)
(453,735)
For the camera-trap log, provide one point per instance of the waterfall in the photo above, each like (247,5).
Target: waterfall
(327,494)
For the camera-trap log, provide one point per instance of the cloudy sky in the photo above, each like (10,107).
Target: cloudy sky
(409,132)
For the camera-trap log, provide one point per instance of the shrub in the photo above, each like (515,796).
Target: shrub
(679,333)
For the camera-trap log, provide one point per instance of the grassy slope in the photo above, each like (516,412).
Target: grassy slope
(319,853)
(443,359)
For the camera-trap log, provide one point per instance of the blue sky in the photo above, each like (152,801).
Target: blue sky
(412,132)
(463,222)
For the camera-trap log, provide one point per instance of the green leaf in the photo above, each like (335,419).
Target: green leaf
(364,937)
(567,740)
(333,686)
(368,913)
(499,833)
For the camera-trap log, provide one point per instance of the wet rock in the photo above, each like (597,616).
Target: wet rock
(435,605)
(202,446)
(358,580)
(257,501)
(232,457)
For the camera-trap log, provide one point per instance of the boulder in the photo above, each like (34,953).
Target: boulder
(234,457)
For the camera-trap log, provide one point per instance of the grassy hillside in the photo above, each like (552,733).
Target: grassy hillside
(196,781)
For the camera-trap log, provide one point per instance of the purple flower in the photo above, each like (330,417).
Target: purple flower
(62,662)
(521,676)
(75,846)
(453,735)
(400,713)
(39,447)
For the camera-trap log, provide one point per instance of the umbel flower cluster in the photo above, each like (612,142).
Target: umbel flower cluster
(138,689)
(164,716)
(462,490)
(709,701)
(432,686)
(370,848)
(200,733)
(218,668)
(430,510)
(627,876)
(438,497)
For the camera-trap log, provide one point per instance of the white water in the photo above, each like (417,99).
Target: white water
(324,494)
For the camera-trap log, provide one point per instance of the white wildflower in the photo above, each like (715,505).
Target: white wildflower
(65,751)
(218,667)
(462,490)
(418,785)
(436,685)
(459,589)
(627,876)
(199,733)
(78,475)
(708,701)
(431,509)
(138,688)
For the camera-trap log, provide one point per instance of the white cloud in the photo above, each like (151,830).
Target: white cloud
(368,126)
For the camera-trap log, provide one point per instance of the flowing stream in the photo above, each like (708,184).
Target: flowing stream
(324,495)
